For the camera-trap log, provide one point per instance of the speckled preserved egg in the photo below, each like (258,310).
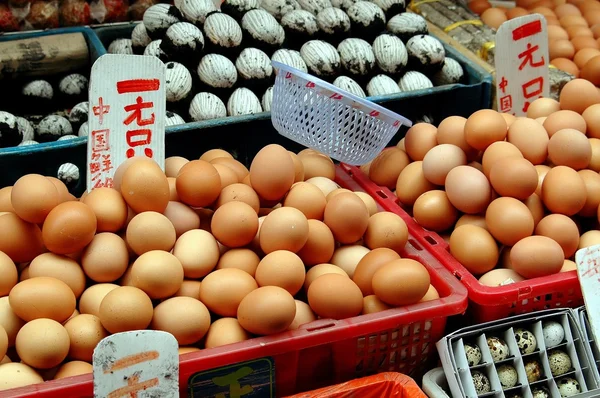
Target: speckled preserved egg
(139,38)
(533,370)
(481,383)
(451,73)
(357,57)
(368,20)
(183,42)
(222,32)
(68,173)
(322,59)
(173,119)
(158,18)
(217,71)
(120,46)
(390,54)
(291,58)
(237,8)
(153,49)
(79,113)
(334,23)
(349,85)
(178,82)
(38,88)
(253,64)
(278,8)
(10,135)
(314,6)
(413,80)
(382,85)
(206,106)
(407,25)
(262,29)
(243,102)
(74,85)
(391,7)
(299,26)
(425,53)
(26,128)
(267,99)
(568,387)
(195,11)
(52,127)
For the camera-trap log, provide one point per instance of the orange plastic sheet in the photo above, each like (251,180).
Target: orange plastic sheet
(380,385)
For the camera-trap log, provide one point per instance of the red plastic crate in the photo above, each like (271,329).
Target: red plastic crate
(324,352)
(485,303)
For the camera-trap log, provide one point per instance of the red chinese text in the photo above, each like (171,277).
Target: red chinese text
(532,90)
(100,162)
(140,114)
(100,110)
(527,57)
(506,103)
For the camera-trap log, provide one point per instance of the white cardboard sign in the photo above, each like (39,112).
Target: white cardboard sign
(127,109)
(521,62)
(588,270)
(138,364)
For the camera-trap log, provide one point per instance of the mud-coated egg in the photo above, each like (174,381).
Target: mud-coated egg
(507,375)
(525,341)
(498,348)
(553,333)
(560,362)
(481,382)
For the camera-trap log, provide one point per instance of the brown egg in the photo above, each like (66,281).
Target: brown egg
(468,189)
(21,241)
(125,308)
(285,228)
(440,160)
(168,314)
(60,267)
(244,259)
(536,256)
(514,177)
(493,17)
(564,119)
(109,207)
(497,151)
(536,207)
(508,118)
(563,191)
(33,197)
(182,217)
(212,154)
(308,199)
(189,288)
(73,368)
(158,273)
(238,192)
(592,118)
(63,191)
(150,231)
(582,42)
(386,229)
(595,161)
(387,166)
(69,227)
(223,290)
(319,246)
(485,127)
(15,375)
(281,268)
(369,264)
(479,6)
(304,315)
(9,321)
(89,302)
(225,331)
(517,12)
(471,219)
(227,175)
(106,258)
(561,48)
(335,296)
(596,30)
(347,257)
(419,139)
(85,332)
(591,71)
(347,216)
(452,131)
(579,31)
(369,202)
(569,147)
(401,282)
(272,183)
(412,183)
(557,33)
(589,238)
(267,310)
(566,65)
(9,273)
(566,9)
(144,187)
(42,297)
(198,183)
(324,184)
(298,167)
(509,220)
(322,269)
(316,164)
(561,229)
(434,211)
(234,224)
(42,343)
(198,252)
(500,277)
(432,294)
(474,248)
(5,202)
(572,20)
(530,138)
(173,164)
(578,94)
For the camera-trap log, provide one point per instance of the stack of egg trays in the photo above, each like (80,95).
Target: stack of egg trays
(458,373)
(588,336)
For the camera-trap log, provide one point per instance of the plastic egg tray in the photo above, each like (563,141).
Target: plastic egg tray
(588,336)
(460,375)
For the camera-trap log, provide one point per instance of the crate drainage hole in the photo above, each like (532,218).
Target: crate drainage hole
(327,325)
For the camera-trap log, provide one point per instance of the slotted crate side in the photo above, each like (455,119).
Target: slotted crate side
(485,303)
(327,352)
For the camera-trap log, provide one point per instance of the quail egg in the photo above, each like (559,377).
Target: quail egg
(473,354)
(533,370)
(560,362)
(525,341)
(498,348)
(553,333)
(507,375)
(481,382)
(568,387)
(540,392)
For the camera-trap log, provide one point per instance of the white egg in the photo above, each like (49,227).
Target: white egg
(553,333)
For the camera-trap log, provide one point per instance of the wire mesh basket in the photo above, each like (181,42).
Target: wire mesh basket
(321,116)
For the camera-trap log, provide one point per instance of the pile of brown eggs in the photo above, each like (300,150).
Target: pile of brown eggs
(514,197)
(206,250)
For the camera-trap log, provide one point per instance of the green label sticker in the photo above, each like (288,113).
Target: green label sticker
(251,379)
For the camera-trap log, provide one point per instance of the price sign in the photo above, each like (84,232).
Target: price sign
(588,270)
(139,364)
(126,114)
(521,63)
(251,379)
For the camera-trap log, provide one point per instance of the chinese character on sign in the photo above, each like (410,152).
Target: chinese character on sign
(232,381)
(101,110)
(521,63)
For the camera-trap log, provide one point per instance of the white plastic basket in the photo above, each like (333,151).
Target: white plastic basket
(321,116)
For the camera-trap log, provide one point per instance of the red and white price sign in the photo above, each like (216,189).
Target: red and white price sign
(588,270)
(126,114)
(521,63)
(138,364)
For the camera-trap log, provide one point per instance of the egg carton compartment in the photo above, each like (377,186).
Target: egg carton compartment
(571,344)
(516,392)
(496,343)
(481,382)
(535,367)
(510,376)
(535,390)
